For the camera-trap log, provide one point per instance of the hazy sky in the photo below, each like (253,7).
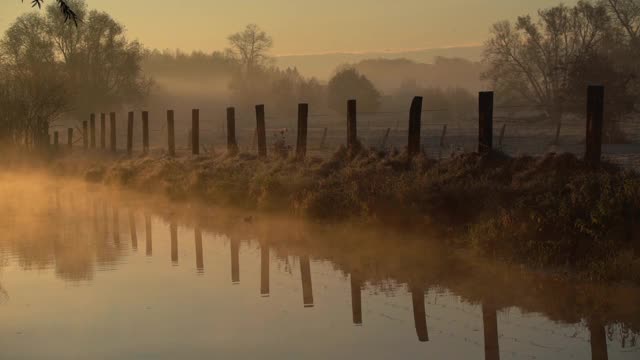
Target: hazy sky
(302,26)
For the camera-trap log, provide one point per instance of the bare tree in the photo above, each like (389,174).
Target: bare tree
(250,47)
(627,12)
(535,58)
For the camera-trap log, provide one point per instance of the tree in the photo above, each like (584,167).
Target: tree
(535,58)
(33,88)
(250,47)
(49,67)
(347,84)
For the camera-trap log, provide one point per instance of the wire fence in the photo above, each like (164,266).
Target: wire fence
(517,130)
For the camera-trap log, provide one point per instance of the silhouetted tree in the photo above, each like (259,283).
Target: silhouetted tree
(347,84)
(536,57)
(250,47)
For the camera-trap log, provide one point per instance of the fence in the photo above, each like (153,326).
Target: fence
(427,130)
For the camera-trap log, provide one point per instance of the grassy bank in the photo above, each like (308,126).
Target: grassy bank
(551,212)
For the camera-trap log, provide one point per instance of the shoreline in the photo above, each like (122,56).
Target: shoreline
(551,213)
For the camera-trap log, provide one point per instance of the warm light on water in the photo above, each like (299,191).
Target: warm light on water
(90,274)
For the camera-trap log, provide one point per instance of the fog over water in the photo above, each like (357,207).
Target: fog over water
(135,277)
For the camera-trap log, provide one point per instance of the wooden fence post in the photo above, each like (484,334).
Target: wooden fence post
(303,119)
(92,129)
(323,140)
(55,140)
(112,130)
(502,132)
(485,126)
(130,133)
(443,136)
(103,130)
(415,123)
(195,132)
(385,138)
(232,144)
(70,138)
(595,117)
(352,124)
(261,131)
(145,132)
(171,133)
(85,135)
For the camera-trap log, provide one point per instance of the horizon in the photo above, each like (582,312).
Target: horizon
(408,26)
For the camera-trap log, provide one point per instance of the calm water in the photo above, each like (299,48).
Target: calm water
(90,274)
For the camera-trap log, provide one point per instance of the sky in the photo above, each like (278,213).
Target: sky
(307,27)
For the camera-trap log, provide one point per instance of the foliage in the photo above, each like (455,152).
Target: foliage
(51,67)
(348,84)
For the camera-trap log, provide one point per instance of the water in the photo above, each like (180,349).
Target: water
(87,273)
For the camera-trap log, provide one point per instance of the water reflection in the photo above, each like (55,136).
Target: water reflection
(411,292)
(264,270)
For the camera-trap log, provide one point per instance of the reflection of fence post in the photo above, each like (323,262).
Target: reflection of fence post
(264,270)
(199,254)
(485,126)
(490,322)
(133,231)
(598,340)
(261,131)
(303,116)
(232,144)
(419,313)
(92,129)
(116,227)
(444,135)
(171,139)
(145,132)
(85,135)
(195,132)
(130,134)
(148,234)
(352,124)
(595,115)
(235,261)
(356,299)
(112,128)
(173,229)
(103,131)
(415,120)
(307,288)
(70,138)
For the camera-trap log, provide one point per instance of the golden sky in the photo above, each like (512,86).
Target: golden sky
(302,26)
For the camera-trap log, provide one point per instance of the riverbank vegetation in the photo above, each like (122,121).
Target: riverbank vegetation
(551,212)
